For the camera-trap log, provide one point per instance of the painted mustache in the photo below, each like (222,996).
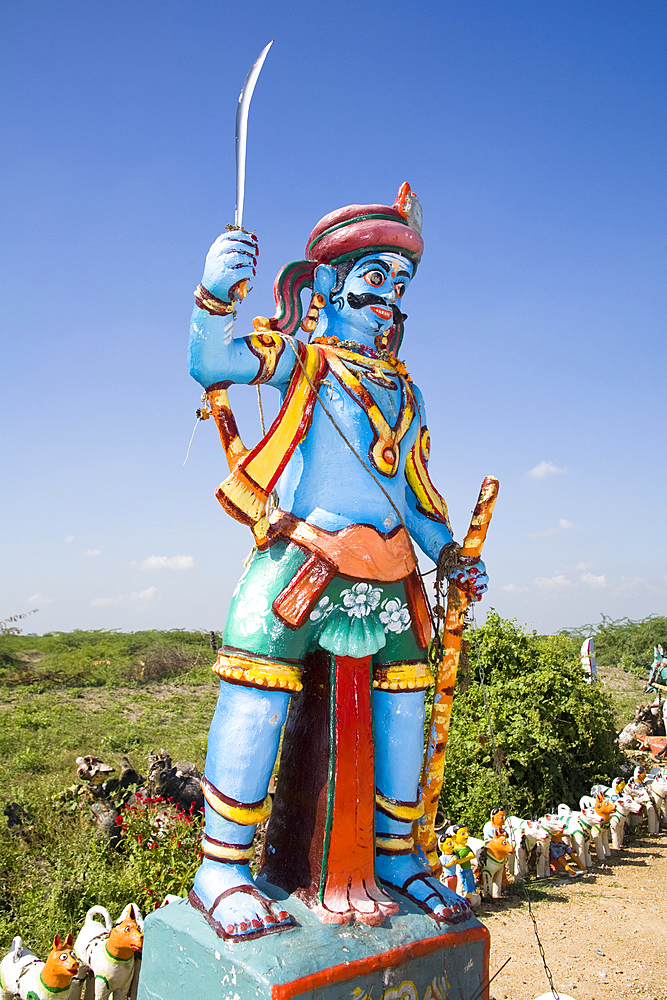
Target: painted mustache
(370,299)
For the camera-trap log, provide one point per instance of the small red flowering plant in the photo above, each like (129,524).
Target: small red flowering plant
(161,843)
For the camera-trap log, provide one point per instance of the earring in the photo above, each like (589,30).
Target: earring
(317,302)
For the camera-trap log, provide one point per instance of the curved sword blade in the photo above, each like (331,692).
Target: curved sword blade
(242,129)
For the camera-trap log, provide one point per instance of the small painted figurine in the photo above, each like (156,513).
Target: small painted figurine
(464,858)
(658,791)
(638,788)
(561,854)
(108,952)
(23,975)
(495,824)
(528,835)
(588,661)
(334,566)
(581,829)
(624,806)
(449,861)
(496,852)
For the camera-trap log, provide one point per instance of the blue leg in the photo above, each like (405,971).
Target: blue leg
(399,751)
(242,747)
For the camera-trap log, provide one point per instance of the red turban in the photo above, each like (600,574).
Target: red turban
(357,229)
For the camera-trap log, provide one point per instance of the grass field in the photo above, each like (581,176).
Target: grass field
(102,693)
(107,694)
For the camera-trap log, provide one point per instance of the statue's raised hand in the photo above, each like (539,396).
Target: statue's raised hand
(231,260)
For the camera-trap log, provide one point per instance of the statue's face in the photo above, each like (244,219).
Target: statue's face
(499,818)
(372,292)
(461,836)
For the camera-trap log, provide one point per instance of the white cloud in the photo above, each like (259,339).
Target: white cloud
(166,562)
(558,582)
(563,525)
(93,552)
(545,469)
(137,597)
(40,599)
(68,538)
(637,584)
(596,582)
(582,566)
(511,588)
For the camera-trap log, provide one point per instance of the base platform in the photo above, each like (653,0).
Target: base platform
(408,958)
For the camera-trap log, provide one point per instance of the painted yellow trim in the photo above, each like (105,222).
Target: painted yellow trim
(258,673)
(394,843)
(399,810)
(243,815)
(419,481)
(226,853)
(402,677)
(277,442)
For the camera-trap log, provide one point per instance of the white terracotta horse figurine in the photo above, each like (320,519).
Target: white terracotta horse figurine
(109,951)
(23,975)
(527,834)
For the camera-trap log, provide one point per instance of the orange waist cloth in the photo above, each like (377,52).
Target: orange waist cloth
(359,551)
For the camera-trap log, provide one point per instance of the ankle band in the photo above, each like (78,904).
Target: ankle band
(406,811)
(233,854)
(398,843)
(245,814)
(404,675)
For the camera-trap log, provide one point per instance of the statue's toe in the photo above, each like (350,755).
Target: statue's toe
(242,913)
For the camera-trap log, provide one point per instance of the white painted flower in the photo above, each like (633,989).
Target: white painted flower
(324,607)
(395,616)
(252,609)
(361,599)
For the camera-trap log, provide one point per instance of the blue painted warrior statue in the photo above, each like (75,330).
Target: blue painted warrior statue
(333,568)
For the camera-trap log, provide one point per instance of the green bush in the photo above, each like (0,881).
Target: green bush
(101,658)
(554,733)
(624,643)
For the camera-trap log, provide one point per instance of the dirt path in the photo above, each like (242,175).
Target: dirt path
(605,938)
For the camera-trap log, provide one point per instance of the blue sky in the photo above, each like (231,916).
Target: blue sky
(534,135)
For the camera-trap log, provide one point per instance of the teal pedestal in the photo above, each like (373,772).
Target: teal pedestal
(408,958)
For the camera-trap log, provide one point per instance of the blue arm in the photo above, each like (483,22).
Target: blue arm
(214,355)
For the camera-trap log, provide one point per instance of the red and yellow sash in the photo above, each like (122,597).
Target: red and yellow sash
(254,472)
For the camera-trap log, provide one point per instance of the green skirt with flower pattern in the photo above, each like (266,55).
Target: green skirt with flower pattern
(352,618)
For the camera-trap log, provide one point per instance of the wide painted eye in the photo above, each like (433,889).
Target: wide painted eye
(400,288)
(376,278)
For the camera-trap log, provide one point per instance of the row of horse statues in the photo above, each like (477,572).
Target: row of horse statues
(560,842)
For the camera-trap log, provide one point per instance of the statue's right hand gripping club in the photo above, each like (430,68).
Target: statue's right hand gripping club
(230,264)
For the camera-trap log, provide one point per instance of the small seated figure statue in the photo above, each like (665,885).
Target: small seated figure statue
(496,824)
(617,789)
(560,854)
